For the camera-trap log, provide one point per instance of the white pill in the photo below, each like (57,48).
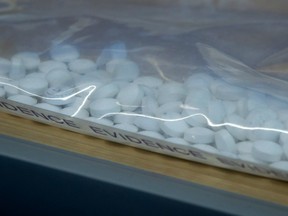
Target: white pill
(216,111)
(225,91)
(267,151)
(171,91)
(23,99)
(102,121)
(124,118)
(177,140)
(5,66)
(2,92)
(280,165)
(149,81)
(174,126)
(103,106)
(149,106)
(146,123)
(237,128)
(152,134)
(64,53)
(74,112)
(82,66)
(151,92)
(130,97)
(225,142)
(206,148)
(35,86)
(59,78)
(88,80)
(127,127)
(170,107)
(195,117)
(123,69)
(59,96)
(17,71)
(244,147)
(49,107)
(249,158)
(268,132)
(198,80)
(49,65)
(109,90)
(29,60)
(199,135)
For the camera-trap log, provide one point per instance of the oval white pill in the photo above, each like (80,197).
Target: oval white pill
(174,126)
(171,91)
(64,53)
(244,147)
(177,140)
(82,66)
(5,66)
(130,97)
(49,107)
(149,81)
(59,96)
(102,121)
(127,127)
(146,123)
(103,106)
(59,78)
(206,148)
(236,128)
(198,99)
(267,151)
(49,65)
(29,60)
(74,112)
(225,142)
(123,69)
(195,117)
(281,165)
(109,90)
(199,135)
(35,86)
(124,118)
(152,134)
(25,99)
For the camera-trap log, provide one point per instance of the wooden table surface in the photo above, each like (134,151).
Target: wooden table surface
(257,187)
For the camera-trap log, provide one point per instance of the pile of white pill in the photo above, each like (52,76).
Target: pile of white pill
(203,111)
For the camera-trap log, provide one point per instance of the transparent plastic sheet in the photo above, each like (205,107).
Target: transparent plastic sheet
(198,81)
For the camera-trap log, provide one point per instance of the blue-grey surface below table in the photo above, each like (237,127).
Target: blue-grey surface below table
(41,180)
